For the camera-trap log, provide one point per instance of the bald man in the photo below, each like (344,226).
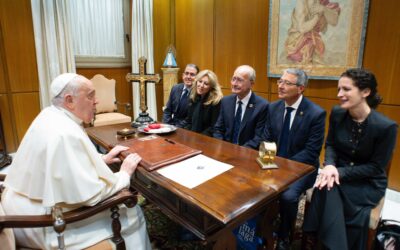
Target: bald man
(57,164)
(243,114)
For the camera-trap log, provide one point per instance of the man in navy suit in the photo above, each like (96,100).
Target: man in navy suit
(300,140)
(177,106)
(243,114)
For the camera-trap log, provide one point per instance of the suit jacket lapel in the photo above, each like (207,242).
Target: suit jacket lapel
(180,92)
(298,118)
(251,105)
(177,97)
(230,113)
(279,119)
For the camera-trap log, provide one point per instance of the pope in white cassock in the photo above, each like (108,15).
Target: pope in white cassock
(57,163)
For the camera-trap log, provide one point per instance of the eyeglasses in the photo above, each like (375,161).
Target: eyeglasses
(286,82)
(189,74)
(237,79)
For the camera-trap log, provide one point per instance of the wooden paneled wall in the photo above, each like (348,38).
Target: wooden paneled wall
(223,34)
(164,35)
(19,84)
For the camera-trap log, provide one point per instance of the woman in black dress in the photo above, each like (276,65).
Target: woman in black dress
(358,148)
(204,106)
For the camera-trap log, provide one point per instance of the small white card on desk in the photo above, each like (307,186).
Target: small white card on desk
(194,171)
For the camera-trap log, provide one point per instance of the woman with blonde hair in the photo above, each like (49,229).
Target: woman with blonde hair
(204,106)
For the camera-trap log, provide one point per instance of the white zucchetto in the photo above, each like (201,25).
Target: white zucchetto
(59,83)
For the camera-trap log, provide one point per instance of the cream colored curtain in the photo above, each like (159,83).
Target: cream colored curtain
(142,45)
(99,25)
(54,51)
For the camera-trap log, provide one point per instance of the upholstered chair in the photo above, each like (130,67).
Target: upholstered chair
(106,113)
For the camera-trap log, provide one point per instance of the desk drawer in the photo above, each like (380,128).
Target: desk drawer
(171,204)
(202,221)
(155,193)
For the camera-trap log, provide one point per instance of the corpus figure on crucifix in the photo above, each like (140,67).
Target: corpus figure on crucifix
(142,78)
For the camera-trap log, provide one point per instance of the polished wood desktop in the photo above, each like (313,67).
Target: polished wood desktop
(221,203)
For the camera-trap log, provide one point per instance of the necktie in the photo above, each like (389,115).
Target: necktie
(284,139)
(236,123)
(183,101)
(184,93)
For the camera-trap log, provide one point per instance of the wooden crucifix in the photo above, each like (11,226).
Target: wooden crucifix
(142,78)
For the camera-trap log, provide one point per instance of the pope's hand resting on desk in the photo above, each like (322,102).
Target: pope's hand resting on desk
(112,156)
(130,163)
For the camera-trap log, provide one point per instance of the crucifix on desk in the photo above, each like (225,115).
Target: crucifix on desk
(142,78)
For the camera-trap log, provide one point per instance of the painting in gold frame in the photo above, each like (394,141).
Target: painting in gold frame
(323,37)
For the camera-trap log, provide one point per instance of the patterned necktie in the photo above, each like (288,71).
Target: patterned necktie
(284,139)
(236,124)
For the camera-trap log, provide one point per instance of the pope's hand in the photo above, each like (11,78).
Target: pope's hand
(112,156)
(130,163)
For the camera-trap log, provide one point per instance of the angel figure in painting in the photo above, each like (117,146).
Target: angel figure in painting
(310,19)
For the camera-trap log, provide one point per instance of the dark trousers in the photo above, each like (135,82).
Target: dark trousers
(340,218)
(289,203)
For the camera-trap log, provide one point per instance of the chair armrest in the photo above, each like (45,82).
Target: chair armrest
(23,221)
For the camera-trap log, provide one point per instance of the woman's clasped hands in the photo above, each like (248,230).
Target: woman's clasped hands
(328,176)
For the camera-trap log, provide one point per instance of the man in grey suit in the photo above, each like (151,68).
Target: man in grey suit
(177,106)
(297,125)
(242,115)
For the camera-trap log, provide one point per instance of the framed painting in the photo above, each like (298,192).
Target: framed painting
(322,37)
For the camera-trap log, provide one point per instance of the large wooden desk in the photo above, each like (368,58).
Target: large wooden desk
(223,202)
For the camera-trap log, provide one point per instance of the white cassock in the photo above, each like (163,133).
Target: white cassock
(57,163)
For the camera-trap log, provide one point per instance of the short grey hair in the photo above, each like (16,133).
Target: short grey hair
(302,78)
(71,88)
(250,72)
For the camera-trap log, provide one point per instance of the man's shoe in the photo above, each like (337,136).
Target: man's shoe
(283,244)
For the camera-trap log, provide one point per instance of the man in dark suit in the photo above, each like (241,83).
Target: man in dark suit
(242,114)
(177,106)
(297,125)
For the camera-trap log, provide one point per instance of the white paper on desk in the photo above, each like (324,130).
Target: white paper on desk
(194,171)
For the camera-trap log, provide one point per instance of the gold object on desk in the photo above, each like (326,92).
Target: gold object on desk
(126,132)
(267,153)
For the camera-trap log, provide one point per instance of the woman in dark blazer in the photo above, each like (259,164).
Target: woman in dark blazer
(358,148)
(204,106)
